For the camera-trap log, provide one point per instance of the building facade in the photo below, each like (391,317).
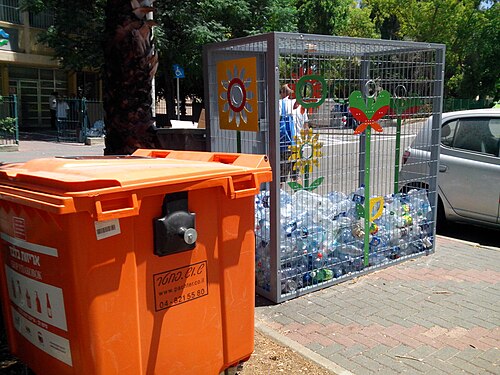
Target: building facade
(29,69)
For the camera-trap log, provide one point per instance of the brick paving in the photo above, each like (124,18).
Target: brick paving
(436,314)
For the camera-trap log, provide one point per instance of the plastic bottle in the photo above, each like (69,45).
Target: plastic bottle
(38,303)
(265,230)
(28,299)
(318,260)
(358,196)
(336,267)
(291,228)
(13,287)
(286,254)
(48,305)
(291,281)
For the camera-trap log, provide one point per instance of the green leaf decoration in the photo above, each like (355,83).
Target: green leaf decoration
(315,184)
(405,106)
(360,210)
(295,186)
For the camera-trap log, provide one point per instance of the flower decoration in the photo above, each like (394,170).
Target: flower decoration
(236,94)
(309,90)
(306,151)
(305,154)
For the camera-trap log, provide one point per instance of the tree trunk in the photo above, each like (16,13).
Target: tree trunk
(130,65)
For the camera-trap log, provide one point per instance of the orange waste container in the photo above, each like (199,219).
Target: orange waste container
(130,265)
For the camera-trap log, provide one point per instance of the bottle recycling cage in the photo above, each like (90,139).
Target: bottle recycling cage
(339,205)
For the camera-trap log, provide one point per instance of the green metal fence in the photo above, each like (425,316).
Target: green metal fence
(78,118)
(9,127)
(453,104)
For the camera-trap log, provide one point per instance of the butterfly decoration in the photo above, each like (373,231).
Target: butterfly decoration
(370,112)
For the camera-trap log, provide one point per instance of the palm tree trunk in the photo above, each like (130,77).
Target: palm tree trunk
(130,65)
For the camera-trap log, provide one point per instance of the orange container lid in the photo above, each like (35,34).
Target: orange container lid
(238,174)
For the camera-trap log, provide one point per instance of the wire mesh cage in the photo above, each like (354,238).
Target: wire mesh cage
(338,205)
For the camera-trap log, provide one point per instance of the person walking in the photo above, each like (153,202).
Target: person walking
(62,110)
(53,109)
(287,132)
(293,119)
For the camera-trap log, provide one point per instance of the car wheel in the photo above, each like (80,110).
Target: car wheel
(441,222)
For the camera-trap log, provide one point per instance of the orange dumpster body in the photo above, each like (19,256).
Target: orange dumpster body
(84,290)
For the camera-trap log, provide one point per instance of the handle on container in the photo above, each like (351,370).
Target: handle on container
(43,201)
(243,186)
(117,207)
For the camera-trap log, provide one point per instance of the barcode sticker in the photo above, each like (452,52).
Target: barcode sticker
(108,228)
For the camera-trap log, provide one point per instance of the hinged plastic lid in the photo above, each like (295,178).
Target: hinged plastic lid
(55,179)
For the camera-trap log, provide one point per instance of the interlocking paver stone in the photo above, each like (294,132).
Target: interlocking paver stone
(436,314)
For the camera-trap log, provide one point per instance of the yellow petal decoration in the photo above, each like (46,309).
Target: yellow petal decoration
(306,151)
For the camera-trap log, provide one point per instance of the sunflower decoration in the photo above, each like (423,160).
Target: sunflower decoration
(237,94)
(305,154)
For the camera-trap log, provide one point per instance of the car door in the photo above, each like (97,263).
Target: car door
(469,167)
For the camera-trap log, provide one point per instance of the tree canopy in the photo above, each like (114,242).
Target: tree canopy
(469,28)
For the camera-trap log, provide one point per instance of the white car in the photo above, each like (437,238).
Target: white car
(469,166)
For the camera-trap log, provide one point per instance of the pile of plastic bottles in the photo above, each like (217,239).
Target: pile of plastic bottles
(322,237)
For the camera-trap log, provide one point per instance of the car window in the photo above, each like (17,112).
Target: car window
(478,135)
(448,133)
(495,127)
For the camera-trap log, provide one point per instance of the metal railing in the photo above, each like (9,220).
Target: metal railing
(9,11)
(79,118)
(41,20)
(9,127)
(453,104)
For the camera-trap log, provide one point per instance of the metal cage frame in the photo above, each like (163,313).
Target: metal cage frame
(419,66)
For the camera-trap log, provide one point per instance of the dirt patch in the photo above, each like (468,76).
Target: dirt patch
(268,357)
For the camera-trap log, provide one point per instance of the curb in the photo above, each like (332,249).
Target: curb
(469,243)
(9,148)
(301,350)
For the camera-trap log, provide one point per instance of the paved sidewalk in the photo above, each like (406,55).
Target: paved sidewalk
(48,147)
(436,314)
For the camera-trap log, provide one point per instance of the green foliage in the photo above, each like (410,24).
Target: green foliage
(469,28)
(188,25)
(359,23)
(328,17)
(77,33)
(8,125)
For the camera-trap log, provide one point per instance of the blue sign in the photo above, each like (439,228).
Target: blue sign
(3,37)
(178,71)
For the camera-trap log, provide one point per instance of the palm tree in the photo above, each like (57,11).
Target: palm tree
(129,68)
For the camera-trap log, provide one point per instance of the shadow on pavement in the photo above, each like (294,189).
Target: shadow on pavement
(262,301)
(44,136)
(481,235)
